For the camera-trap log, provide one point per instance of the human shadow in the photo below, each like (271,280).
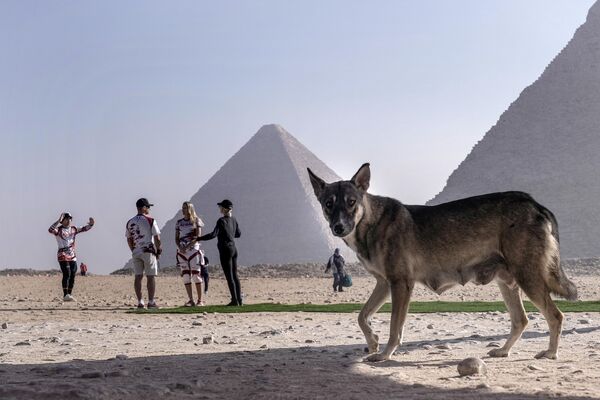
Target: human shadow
(316,372)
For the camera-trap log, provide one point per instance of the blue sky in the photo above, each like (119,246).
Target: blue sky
(102,102)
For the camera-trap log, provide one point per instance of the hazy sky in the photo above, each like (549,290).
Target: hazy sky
(102,102)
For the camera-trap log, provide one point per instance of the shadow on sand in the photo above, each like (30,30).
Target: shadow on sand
(284,373)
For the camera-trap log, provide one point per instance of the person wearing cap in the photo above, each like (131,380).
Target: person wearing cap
(67,259)
(143,238)
(225,231)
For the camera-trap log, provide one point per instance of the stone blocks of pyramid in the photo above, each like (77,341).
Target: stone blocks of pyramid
(548,144)
(279,217)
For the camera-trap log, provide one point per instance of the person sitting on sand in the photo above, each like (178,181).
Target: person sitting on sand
(189,256)
(336,263)
(67,259)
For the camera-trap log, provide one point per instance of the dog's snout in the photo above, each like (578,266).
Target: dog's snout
(338,229)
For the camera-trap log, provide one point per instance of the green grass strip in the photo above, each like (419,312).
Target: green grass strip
(415,307)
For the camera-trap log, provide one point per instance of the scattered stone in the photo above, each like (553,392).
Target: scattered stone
(121,357)
(24,343)
(4,325)
(309,341)
(271,332)
(493,344)
(117,374)
(180,387)
(208,340)
(430,326)
(93,375)
(264,346)
(218,369)
(196,323)
(535,368)
(444,346)
(585,321)
(471,366)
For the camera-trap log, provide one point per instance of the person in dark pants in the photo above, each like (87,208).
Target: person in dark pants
(67,259)
(337,264)
(225,231)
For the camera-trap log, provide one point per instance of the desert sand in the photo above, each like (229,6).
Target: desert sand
(95,349)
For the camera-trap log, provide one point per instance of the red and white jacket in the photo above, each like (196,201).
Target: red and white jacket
(65,238)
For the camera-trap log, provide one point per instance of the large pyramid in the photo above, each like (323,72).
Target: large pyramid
(548,144)
(280,219)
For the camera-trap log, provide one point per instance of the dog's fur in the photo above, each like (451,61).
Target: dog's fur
(506,237)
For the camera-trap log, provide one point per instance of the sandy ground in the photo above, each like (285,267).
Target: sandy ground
(94,349)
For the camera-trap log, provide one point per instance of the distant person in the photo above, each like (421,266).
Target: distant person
(225,231)
(83,268)
(143,238)
(337,264)
(67,259)
(189,256)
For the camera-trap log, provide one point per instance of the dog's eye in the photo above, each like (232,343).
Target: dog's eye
(329,203)
(351,202)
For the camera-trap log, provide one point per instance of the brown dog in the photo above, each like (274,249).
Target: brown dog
(506,237)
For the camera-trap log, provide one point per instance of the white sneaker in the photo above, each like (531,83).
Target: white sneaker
(68,297)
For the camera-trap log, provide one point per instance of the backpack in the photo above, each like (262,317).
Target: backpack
(347,280)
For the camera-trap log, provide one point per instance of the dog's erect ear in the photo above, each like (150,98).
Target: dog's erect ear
(318,184)
(362,177)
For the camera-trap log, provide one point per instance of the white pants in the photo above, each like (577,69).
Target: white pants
(190,263)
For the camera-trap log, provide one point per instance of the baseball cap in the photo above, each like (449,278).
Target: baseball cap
(143,202)
(225,203)
(67,215)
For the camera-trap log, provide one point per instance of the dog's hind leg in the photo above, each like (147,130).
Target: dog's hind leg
(518,318)
(553,317)
(401,291)
(376,300)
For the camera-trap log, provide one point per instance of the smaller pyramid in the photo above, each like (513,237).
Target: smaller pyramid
(279,217)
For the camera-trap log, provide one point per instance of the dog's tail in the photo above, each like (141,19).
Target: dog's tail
(555,278)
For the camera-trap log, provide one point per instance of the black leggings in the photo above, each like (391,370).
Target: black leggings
(69,269)
(228,256)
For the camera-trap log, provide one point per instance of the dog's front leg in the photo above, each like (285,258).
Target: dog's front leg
(401,291)
(376,300)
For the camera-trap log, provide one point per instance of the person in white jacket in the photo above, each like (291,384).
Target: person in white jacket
(65,235)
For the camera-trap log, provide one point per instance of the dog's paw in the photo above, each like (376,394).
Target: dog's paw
(377,357)
(373,348)
(547,354)
(498,353)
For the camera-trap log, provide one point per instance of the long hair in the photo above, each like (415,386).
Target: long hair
(192,212)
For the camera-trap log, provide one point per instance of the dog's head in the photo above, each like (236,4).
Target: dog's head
(342,201)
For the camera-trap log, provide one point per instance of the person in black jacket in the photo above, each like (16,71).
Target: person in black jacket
(337,264)
(225,231)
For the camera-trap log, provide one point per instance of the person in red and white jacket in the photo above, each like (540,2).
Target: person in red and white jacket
(143,239)
(67,259)
(190,258)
